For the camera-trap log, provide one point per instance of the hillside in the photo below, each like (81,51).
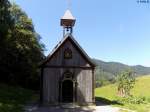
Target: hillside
(141,89)
(109,70)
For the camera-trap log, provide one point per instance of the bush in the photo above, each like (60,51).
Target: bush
(133,100)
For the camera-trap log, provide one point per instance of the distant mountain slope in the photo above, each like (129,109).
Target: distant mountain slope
(141,70)
(110,69)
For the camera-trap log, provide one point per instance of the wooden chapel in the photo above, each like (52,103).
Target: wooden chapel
(67,73)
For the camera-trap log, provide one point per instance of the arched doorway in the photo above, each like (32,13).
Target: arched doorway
(67,91)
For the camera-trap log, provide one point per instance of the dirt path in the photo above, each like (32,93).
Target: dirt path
(105,108)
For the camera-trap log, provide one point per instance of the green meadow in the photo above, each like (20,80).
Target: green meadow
(140,100)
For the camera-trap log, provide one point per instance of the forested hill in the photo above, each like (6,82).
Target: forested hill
(110,69)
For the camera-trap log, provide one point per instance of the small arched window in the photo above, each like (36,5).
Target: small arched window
(67,53)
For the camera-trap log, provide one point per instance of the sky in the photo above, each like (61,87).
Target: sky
(109,30)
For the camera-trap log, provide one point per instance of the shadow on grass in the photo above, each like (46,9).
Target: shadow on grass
(103,101)
(12,98)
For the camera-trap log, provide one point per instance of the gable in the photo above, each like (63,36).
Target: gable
(79,57)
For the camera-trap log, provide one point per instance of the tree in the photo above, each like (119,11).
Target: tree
(6,26)
(6,22)
(125,82)
(21,49)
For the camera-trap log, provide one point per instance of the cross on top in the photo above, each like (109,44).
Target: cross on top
(69,4)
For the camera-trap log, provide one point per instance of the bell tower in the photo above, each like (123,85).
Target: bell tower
(67,22)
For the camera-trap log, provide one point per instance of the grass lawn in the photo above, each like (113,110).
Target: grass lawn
(141,89)
(12,99)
